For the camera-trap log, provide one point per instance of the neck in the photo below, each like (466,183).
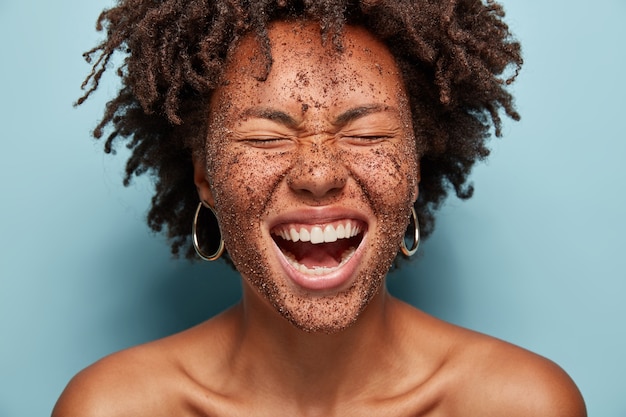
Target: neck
(311,366)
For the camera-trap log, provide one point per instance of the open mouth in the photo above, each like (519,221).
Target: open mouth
(319,249)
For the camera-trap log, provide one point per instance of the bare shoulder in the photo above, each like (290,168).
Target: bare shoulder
(478,375)
(122,384)
(503,379)
(154,379)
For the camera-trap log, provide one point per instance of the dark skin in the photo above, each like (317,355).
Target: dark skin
(345,346)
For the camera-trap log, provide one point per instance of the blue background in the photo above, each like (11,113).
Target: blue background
(536,257)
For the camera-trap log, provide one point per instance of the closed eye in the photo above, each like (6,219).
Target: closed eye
(268,142)
(365,139)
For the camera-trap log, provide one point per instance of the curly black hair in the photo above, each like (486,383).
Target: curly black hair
(457,58)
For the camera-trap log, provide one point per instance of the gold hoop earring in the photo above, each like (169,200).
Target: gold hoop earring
(194,233)
(416,236)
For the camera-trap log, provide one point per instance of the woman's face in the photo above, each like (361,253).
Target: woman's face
(312,172)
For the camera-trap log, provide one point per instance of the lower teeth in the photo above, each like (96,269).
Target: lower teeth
(319,270)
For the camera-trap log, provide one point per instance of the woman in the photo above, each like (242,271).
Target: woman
(316,134)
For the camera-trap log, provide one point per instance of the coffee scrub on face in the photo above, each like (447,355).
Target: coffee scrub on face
(351,150)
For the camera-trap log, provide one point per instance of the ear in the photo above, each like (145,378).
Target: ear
(202,182)
(416,193)
(416,186)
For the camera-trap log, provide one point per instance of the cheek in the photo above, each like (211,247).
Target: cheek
(243,181)
(387,175)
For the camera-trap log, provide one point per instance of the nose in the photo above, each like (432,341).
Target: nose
(318,172)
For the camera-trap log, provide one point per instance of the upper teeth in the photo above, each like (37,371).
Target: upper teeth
(317,234)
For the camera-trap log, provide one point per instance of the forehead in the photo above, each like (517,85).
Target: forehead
(310,72)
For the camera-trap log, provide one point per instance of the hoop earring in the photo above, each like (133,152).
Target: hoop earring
(194,233)
(416,236)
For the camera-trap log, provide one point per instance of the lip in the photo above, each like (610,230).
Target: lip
(334,280)
(316,215)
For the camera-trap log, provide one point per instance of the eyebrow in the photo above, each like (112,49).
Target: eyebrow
(271,114)
(343,119)
(358,112)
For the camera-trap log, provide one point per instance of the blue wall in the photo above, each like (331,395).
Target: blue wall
(536,257)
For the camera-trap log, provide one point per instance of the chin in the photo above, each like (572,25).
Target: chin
(328,314)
